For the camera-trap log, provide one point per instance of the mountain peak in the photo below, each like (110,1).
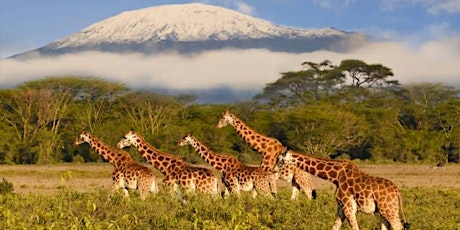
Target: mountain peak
(182,23)
(193,28)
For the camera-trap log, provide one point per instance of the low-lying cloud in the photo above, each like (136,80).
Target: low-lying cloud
(434,61)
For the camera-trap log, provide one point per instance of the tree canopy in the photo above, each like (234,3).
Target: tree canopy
(353,110)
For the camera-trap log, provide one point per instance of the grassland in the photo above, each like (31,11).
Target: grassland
(70,196)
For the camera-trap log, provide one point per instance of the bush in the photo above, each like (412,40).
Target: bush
(6,187)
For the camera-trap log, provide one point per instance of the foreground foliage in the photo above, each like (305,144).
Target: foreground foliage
(433,208)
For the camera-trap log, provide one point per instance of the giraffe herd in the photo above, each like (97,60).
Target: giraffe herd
(355,189)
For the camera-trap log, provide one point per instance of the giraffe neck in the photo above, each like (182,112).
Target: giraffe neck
(113,156)
(220,162)
(269,147)
(164,162)
(331,170)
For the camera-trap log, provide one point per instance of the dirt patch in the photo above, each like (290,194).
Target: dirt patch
(49,179)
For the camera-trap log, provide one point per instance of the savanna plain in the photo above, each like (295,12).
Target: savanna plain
(76,196)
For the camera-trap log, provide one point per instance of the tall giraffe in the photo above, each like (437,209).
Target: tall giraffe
(235,175)
(270,148)
(175,170)
(127,172)
(355,190)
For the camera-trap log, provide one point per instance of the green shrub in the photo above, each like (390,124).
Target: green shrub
(6,187)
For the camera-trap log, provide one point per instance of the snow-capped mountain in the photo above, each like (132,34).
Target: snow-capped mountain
(196,27)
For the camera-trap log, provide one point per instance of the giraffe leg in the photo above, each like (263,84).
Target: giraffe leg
(385,224)
(295,190)
(178,192)
(390,218)
(143,191)
(225,193)
(153,186)
(125,192)
(215,187)
(303,181)
(272,184)
(254,193)
(262,185)
(349,210)
(233,184)
(119,183)
(147,185)
(339,219)
(389,212)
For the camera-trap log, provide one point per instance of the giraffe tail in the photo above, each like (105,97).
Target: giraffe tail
(313,194)
(406,225)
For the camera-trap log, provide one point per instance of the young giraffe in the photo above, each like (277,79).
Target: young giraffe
(270,148)
(127,172)
(355,190)
(175,170)
(235,175)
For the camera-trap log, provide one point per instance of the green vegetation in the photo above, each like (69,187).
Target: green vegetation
(353,110)
(6,187)
(433,208)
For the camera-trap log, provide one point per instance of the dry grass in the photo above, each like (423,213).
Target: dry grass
(49,179)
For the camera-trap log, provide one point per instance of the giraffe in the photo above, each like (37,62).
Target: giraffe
(235,175)
(355,190)
(127,172)
(270,148)
(175,170)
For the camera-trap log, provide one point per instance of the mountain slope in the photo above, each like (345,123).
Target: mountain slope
(195,27)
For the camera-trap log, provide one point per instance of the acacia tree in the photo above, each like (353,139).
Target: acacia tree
(321,80)
(325,130)
(148,112)
(449,123)
(312,83)
(366,75)
(430,112)
(36,116)
(94,98)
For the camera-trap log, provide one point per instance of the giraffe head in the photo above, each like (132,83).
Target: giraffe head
(285,158)
(129,139)
(186,140)
(83,137)
(227,119)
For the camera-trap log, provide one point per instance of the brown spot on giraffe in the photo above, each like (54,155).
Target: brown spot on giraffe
(270,148)
(235,175)
(355,190)
(175,170)
(127,173)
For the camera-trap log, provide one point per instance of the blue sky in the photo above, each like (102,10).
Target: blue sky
(29,24)
(418,39)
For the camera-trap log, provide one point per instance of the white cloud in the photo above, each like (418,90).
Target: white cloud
(449,6)
(244,8)
(431,6)
(333,4)
(433,61)
(238,5)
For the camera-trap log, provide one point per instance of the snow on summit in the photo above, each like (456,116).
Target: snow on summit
(183,22)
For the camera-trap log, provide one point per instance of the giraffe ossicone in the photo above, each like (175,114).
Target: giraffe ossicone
(355,190)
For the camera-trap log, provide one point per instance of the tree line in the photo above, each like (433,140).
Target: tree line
(352,110)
